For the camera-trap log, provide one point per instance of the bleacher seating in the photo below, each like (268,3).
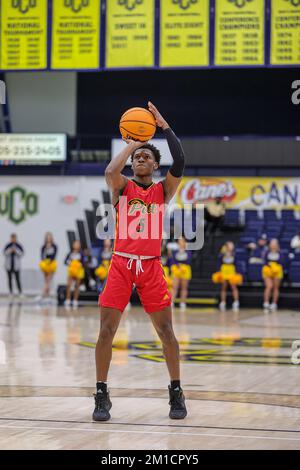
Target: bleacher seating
(294,272)
(232,218)
(282,225)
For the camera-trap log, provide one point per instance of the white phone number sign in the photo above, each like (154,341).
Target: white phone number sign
(37,148)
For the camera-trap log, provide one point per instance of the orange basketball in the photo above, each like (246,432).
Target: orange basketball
(137,124)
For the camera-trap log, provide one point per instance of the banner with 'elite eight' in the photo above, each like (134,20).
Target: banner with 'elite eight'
(184,33)
(75,34)
(23,34)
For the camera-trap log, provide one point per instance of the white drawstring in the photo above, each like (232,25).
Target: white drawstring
(138,266)
(129,263)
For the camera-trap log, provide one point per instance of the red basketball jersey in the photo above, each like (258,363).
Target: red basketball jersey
(139,224)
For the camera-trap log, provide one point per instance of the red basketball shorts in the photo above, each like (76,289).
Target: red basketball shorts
(150,284)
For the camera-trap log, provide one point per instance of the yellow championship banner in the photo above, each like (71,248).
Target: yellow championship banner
(239,32)
(129,33)
(241,192)
(75,34)
(23,36)
(184,33)
(285,32)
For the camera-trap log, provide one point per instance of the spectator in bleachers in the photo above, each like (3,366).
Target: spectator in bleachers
(105,258)
(272,274)
(295,243)
(13,253)
(74,261)
(214,213)
(48,263)
(90,263)
(228,276)
(258,249)
(181,271)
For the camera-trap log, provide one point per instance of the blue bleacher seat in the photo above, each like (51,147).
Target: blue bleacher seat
(232,217)
(254,272)
(241,267)
(287,215)
(273,234)
(255,224)
(241,254)
(285,243)
(251,214)
(245,239)
(270,214)
(294,271)
(294,256)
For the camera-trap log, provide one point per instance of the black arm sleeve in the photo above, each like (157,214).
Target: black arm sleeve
(177,153)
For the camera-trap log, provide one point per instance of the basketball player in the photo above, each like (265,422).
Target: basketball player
(136,260)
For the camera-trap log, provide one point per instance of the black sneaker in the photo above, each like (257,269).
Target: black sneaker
(102,406)
(177,404)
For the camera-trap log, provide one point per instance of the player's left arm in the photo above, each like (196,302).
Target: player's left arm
(175,172)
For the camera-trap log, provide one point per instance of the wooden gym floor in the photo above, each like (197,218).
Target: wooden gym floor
(242,389)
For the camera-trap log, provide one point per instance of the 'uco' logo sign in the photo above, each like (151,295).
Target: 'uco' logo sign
(17,204)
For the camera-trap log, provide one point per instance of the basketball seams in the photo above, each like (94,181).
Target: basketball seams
(142,122)
(138,135)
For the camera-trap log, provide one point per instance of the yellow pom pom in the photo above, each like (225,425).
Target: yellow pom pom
(101,272)
(76,270)
(236,279)
(273,270)
(48,266)
(217,278)
(266,271)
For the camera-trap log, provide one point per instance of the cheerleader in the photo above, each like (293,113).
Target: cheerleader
(105,256)
(272,273)
(227,276)
(48,264)
(74,261)
(181,271)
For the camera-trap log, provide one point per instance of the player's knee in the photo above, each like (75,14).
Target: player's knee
(166,334)
(107,333)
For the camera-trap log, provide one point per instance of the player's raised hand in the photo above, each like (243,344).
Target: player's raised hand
(134,144)
(160,121)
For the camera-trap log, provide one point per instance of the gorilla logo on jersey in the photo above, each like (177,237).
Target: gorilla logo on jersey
(130,4)
(184,4)
(76,5)
(295,3)
(23,5)
(240,3)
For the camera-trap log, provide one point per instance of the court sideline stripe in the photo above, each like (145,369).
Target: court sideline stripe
(151,432)
(193,426)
